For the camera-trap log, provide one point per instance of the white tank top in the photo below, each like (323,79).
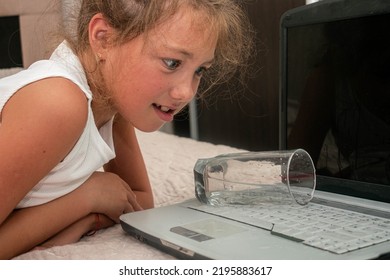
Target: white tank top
(94,147)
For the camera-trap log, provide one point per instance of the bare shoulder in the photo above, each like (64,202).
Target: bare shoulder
(52,100)
(48,115)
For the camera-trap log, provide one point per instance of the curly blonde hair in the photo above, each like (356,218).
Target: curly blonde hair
(131,18)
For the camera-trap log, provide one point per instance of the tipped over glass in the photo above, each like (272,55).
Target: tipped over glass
(278,177)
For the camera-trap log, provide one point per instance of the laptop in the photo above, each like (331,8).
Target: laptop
(332,61)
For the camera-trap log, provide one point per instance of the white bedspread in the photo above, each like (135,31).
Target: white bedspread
(170,160)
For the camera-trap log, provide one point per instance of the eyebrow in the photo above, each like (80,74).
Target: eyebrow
(185,53)
(179,50)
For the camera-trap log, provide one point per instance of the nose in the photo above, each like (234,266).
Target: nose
(184,91)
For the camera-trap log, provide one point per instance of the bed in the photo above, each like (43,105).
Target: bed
(170,160)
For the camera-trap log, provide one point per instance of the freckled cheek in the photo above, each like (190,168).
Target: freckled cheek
(159,86)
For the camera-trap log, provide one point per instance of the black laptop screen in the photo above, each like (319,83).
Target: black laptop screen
(335,92)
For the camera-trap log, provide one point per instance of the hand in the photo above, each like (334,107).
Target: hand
(109,195)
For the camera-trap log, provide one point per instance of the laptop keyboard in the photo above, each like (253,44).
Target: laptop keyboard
(328,228)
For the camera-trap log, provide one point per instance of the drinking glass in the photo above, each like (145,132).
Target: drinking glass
(286,176)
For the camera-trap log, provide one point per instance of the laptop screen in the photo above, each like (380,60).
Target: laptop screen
(335,93)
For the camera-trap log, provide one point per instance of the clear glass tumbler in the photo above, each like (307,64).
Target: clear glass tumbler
(256,177)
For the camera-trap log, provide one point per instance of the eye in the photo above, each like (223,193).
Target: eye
(172,64)
(199,72)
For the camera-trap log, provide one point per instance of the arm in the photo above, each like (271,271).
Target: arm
(129,163)
(66,219)
(28,227)
(38,129)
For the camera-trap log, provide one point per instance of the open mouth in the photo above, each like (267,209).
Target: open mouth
(164,109)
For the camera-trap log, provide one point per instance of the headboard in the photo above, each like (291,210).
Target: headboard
(38,21)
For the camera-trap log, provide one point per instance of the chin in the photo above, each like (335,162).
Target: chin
(151,128)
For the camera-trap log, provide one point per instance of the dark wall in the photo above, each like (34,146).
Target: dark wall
(10,43)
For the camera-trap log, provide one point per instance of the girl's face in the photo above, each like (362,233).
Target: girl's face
(152,77)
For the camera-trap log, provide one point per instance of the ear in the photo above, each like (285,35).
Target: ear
(100,33)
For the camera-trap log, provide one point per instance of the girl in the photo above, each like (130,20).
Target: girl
(133,64)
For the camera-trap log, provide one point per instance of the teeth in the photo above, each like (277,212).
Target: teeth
(164,109)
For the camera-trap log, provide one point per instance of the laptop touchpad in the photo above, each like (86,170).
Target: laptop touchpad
(207,229)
